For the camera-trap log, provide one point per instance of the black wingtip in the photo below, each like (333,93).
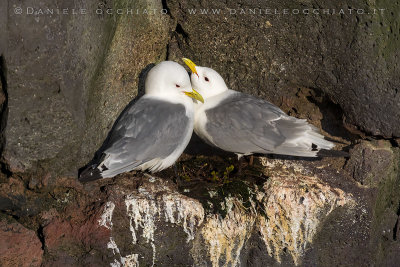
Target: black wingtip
(91,173)
(324,153)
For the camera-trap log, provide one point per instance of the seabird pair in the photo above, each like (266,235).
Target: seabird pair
(152,133)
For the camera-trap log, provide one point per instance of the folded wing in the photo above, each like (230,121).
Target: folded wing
(147,132)
(245,124)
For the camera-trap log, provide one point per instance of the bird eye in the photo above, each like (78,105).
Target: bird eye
(177,85)
(207,80)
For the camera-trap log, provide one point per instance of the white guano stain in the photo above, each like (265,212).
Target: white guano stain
(106,217)
(144,210)
(112,245)
(142,213)
(183,211)
(224,238)
(106,221)
(132,260)
(294,203)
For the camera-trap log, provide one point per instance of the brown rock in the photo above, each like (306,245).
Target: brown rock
(19,246)
(64,235)
(369,163)
(313,52)
(85,71)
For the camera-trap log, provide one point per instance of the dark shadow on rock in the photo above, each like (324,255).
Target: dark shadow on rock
(332,116)
(141,90)
(396,229)
(197,146)
(287,157)
(142,80)
(3,112)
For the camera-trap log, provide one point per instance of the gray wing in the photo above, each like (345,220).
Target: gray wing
(242,123)
(245,124)
(147,130)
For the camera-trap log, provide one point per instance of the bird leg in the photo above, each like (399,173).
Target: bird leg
(240,163)
(251,160)
(177,177)
(242,160)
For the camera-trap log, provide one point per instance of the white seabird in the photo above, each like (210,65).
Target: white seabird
(244,124)
(153,132)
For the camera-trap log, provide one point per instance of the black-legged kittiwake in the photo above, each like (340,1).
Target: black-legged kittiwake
(244,124)
(153,132)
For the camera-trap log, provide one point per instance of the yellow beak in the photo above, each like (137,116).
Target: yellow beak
(191,65)
(195,95)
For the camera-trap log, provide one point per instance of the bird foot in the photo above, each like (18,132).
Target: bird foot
(151,178)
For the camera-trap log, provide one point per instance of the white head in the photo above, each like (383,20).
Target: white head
(169,78)
(206,81)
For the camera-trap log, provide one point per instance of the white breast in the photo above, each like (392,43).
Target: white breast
(200,117)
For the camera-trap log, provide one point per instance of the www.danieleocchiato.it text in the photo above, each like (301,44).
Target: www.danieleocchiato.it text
(285,11)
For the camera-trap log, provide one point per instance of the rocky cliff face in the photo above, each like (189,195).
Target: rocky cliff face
(66,76)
